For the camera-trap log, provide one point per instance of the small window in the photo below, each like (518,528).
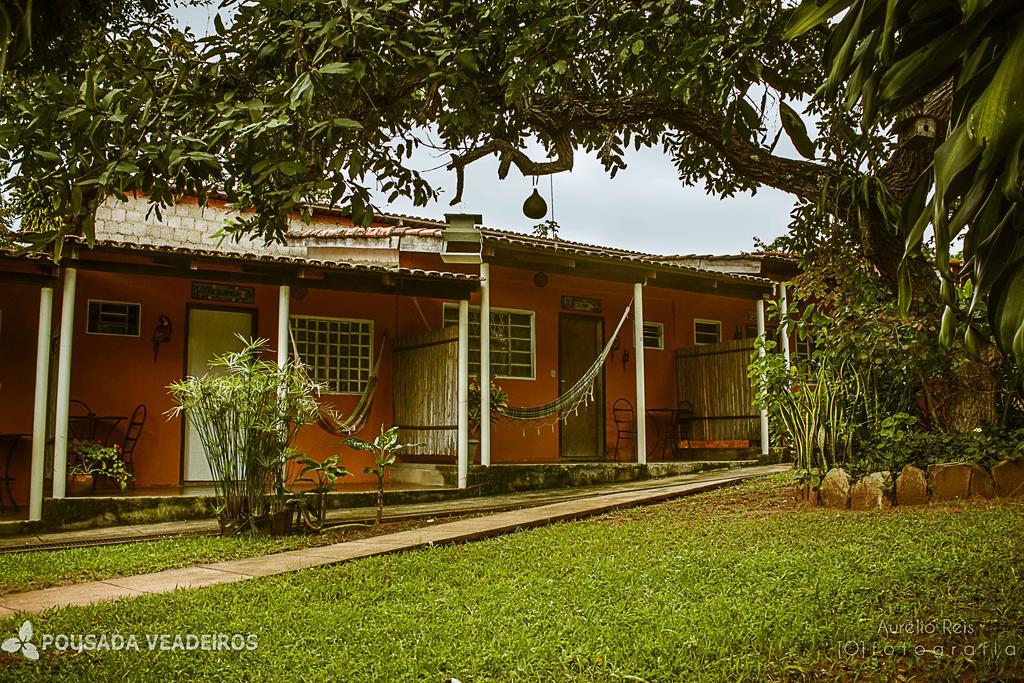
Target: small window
(117,318)
(707,331)
(337,352)
(512,341)
(654,336)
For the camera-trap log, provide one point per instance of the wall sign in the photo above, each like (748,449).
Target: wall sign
(212,291)
(582,304)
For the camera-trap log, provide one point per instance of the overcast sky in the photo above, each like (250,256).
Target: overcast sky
(644,208)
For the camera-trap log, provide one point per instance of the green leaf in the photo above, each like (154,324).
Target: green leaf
(1006,310)
(346,123)
(796,130)
(810,13)
(336,68)
(47,154)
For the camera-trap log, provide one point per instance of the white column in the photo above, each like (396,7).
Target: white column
(784,314)
(485,364)
(463,380)
(284,301)
(63,407)
(283,311)
(764,412)
(641,389)
(35,488)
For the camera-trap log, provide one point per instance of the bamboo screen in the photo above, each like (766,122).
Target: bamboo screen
(425,391)
(713,377)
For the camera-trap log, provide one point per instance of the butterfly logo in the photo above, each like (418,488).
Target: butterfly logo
(22,643)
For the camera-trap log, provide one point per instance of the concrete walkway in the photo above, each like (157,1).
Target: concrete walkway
(441,509)
(199,576)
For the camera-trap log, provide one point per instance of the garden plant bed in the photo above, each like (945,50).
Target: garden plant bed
(738,583)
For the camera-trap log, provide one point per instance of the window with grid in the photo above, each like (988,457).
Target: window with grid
(113,317)
(337,352)
(511,341)
(654,336)
(707,331)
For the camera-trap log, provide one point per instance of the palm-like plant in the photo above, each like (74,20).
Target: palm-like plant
(385,448)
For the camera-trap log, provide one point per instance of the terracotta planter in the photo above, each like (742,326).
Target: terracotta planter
(79,484)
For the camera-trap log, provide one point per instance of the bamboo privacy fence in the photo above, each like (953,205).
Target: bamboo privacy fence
(425,392)
(713,377)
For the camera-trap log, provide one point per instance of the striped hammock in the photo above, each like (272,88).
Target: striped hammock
(328,419)
(579,395)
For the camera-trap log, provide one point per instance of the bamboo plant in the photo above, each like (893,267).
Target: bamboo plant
(246,411)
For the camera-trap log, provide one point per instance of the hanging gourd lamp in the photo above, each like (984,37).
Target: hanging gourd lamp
(535,207)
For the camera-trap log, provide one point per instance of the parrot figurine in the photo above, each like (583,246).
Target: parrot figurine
(161,334)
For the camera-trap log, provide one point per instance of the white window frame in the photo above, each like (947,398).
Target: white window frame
(717,323)
(370,346)
(90,302)
(533,337)
(661,336)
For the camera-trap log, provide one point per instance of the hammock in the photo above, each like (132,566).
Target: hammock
(577,396)
(328,419)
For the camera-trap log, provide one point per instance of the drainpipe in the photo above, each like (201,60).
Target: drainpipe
(485,364)
(463,380)
(784,314)
(761,352)
(63,407)
(641,389)
(35,495)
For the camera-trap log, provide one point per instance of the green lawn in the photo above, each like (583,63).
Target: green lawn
(730,585)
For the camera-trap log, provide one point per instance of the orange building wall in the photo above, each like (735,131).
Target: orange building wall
(113,374)
(676,310)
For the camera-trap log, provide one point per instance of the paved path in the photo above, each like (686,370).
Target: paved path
(444,508)
(278,563)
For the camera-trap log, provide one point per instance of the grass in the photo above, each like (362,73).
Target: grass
(44,569)
(738,584)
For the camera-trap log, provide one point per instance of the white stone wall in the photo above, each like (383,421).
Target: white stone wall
(184,225)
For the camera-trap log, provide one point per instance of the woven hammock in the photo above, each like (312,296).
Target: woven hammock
(326,418)
(577,396)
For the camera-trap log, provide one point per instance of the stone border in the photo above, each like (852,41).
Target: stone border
(913,486)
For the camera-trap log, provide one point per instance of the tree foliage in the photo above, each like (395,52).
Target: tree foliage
(886,55)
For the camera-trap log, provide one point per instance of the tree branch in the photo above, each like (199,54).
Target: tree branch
(510,154)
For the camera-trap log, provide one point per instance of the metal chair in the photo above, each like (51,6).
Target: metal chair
(131,438)
(625,423)
(682,423)
(78,408)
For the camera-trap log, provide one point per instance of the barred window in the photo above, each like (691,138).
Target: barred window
(336,351)
(654,336)
(117,318)
(512,341)
(707,331)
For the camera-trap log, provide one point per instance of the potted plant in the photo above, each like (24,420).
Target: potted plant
(92,459)
(499,403)
(385,449)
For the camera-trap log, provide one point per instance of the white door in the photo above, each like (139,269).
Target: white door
(211,333)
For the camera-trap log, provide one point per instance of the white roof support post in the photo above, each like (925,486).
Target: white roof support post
(284,303)
(784,314)
(761,353)
(63,407)
(485,364)
(284,300)
(35,489)
(463,393)
(641,387)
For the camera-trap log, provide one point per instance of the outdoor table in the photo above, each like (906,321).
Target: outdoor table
(15,439)
(656,415)
(92,422)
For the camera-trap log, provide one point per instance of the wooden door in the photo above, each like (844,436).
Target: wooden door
(211,333)
(580,341)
